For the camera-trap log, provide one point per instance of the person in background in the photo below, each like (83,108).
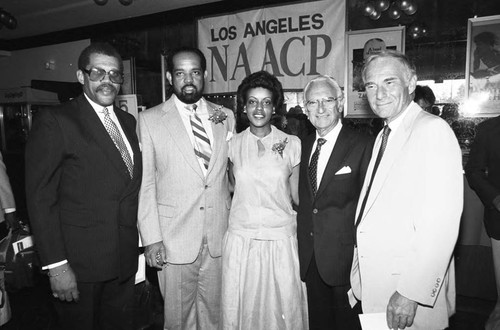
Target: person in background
(184,201)
(333,166)
(7,202)
(261,287)
(408,215)
(83,173)
(424,97)
(483,174)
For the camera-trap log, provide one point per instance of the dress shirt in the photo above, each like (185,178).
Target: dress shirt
(326,150)
(202,113)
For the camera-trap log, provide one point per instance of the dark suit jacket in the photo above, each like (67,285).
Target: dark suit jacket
(483,171)
(81,201)
(325,224)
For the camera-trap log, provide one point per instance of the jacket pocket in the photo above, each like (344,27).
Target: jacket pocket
(167,211)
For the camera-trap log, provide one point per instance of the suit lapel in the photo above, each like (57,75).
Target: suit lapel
(219,132)
(175,126)
(339,153)
(396,143)
(130,134)
(96,131)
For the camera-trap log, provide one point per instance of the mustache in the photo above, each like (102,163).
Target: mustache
(106,85)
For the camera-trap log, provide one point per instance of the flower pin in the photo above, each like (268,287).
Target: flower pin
(278,147)
(218,116)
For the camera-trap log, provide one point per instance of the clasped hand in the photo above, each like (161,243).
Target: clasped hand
(400,312)
(156,255)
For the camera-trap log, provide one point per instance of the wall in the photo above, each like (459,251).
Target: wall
(22,66)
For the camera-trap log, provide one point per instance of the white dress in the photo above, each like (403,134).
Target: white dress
(261,286)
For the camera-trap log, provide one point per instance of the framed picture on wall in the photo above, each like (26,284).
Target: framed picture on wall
(482,71)
(358,46)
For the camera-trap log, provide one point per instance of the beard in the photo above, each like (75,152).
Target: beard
(188,97)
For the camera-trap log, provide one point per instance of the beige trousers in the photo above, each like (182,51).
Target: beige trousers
(191,293)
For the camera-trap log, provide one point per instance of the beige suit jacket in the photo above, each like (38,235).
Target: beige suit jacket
(411,220)
(176,199)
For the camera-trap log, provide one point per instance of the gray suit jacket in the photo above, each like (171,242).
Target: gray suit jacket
(176,199)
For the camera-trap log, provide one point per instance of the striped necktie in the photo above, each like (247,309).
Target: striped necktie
(117,138)
(202,147)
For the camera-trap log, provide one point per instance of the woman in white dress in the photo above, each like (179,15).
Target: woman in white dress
(261,286)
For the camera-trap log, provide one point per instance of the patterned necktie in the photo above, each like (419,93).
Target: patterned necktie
(202,147)
(385,136)
(117,138)
(313,165)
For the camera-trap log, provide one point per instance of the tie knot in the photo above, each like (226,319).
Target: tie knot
(321,141)
(387,130)
(191,107)
(105,111)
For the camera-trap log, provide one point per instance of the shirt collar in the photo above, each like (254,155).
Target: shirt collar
(97,107)
(393,125)
(333,134)
(182,106)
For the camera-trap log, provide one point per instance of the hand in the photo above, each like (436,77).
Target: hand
(64,285)
(400,311)
(11,220)
(156,255)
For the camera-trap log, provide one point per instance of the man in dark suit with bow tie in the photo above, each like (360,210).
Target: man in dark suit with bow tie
(83,173)
(333,167)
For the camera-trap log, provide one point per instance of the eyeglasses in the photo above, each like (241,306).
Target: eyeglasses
(96,74)
(327,103)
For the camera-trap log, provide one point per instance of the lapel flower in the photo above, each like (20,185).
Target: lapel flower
(279,146)
(217,115)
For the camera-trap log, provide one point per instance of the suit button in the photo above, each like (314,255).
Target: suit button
(202,208)
(206,186)
(311,234)
(315,211)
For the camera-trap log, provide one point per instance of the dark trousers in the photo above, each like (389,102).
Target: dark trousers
(328,305)
(102,306)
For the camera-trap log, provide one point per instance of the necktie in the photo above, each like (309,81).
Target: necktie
(202,147)
(313,165)
(385,136)
(117,138)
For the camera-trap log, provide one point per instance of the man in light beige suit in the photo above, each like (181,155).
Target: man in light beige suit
(408,215)
(184,200)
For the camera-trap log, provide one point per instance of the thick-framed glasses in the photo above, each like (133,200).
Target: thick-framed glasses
(96,74)
(327,103)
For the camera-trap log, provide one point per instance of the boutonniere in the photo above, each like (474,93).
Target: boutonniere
(218,116)
(279,146)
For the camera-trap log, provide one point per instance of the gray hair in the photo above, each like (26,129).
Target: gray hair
(329,80)
(402,58)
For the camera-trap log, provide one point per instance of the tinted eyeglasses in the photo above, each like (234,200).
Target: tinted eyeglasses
(96,74)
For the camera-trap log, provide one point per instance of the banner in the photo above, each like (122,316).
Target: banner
(295,43)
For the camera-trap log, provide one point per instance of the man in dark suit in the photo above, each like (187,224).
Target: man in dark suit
(333,166)
(483,175)
(83,173)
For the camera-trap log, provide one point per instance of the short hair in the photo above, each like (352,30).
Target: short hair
(261,79)
(329,80)
(487,37)
(402,58)
(424,93)
(102,48)
(192,50)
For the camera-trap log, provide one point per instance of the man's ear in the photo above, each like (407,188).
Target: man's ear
(205,75)
(80,76)
(412,84)
(169,77)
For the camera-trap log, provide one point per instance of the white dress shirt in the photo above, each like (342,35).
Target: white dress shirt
(326,150)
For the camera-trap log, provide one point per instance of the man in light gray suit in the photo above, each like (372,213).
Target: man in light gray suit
(184,200)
